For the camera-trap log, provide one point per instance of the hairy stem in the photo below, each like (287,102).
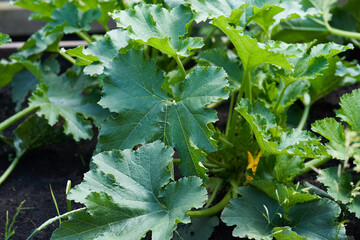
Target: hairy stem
(85,36)
(52,220)
(9,170)
(67,57)
(213,195)
(231,110)
(313,164)
(277,104)
(304,117)
(342,33)
(181,66)
(16,117)
(212,210)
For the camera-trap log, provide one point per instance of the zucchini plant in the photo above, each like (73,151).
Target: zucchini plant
(163,167)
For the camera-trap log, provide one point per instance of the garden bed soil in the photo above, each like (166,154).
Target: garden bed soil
(57,163)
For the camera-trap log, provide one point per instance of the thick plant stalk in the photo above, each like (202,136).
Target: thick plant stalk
(212,210)
(9,170)
(16,117)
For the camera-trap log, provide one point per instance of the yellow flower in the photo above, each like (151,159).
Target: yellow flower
(252,164)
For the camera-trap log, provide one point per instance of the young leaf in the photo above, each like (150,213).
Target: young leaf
(81,58)
(125,201)
(315,220)
(133,89)
(61,96)
(160,28)
(334,132)
(105,49)
(337,182)
(69,19)
(254,214)
(350,104)
(293,142)
(286,196)
(355,206)
(4,38)
(40,42)
(285,233)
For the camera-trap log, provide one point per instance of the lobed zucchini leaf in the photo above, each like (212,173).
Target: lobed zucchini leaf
(338,183)
(258,216)
(69,19)
(62,96)
(160,28)
(133,90)
(125,201)
(254,214)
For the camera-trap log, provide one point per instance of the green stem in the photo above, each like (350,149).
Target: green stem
(16,117)
(9,170)
(52,220)
(85,36)
(181,66)
(67,57)
(224,140)
(245,85)
(304,117)
(231,110)
(342,33)
(313,164)
(277,104)
(213,195)
(212,210)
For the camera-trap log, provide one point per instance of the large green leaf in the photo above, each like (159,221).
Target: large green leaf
(69,19)
(128,193)
(315,220)
(254,214)
(4,38)
(133,89)
(258,216)
(250,51)
(211,9)
(62,96)
(160,28)
(42,7)
(338,183)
